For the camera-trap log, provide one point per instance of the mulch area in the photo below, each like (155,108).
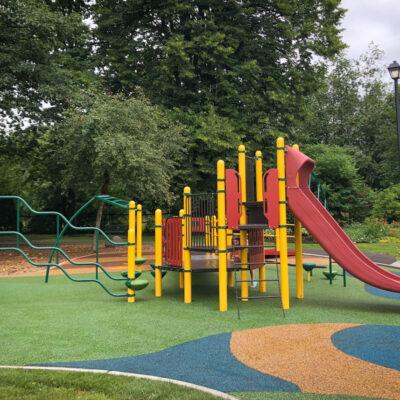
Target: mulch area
(12,264)
(305,356)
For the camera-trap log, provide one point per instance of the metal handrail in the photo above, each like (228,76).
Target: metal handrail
(70,277)
(57,214)
(61,251)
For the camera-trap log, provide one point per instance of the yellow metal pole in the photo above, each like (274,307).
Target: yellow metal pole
(308,276)
(158,252)
(259,176)
(207,229)
(139,235)
(243,220)
(181,274)
(214,231)
(298,252)
(229,239)
(131,248)
(283,255)
(259,197)
(187,268)
(222,254)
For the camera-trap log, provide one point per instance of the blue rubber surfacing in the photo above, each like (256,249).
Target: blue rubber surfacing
(207,362)
(382,293)
(378,344)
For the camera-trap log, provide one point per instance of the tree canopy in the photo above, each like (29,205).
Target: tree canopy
(140,98)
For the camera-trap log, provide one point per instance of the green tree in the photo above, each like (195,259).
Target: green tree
(111,145)
(349,198)
(354,107)
(44,59)
(387,204)
(249,60)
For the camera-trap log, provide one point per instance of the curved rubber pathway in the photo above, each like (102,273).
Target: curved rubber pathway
(306,356)
(378,344)
(206,362)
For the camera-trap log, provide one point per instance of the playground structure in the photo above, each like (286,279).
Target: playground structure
(133,243)
(227,231)
(245,208)
(233,224)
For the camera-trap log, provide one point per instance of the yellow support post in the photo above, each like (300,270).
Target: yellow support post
(243,220)
(186,239)
(298,252)
(207,230)
(222,254)
(131,248)
(283,254)
(214,231)
(181,274)
(259,197)
(308,276)
(139,230)
(259,176)
(277,240)
(229,239)
(158,252)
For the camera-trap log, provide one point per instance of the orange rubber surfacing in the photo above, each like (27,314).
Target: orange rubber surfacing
(305,355)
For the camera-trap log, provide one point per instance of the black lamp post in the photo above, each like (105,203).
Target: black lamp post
(394,71)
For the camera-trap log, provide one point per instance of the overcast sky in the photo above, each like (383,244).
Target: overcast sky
(375,21)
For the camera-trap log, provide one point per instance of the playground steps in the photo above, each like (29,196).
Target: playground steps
(256,258)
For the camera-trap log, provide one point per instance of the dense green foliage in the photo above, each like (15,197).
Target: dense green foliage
(371,231)
(139,99)
(349,198)
(354,107)
(44,59)
(387,204)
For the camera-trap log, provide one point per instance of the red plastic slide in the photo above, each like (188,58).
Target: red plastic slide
(325,230)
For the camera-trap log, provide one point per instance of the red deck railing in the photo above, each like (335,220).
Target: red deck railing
(172,241)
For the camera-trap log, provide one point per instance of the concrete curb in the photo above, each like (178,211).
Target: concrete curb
(204,389)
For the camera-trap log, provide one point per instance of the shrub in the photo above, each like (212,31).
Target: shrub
(370,231)
(387,204)
(349,198)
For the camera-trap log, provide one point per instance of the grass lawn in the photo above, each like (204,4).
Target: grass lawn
(43,385)
(66,321)
(391,249)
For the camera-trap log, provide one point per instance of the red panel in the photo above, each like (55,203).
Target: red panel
(271,198)
(270,253)
(172,241)
(256,254)
(233,198)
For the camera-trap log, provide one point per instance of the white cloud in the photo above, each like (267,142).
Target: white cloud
(375,21)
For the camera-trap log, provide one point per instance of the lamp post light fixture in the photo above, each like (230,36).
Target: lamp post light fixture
(394,71)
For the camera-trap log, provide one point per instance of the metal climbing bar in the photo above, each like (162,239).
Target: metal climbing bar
(58,266)
(67,222)
(62,252)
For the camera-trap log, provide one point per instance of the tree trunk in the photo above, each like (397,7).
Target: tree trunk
(100,209)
